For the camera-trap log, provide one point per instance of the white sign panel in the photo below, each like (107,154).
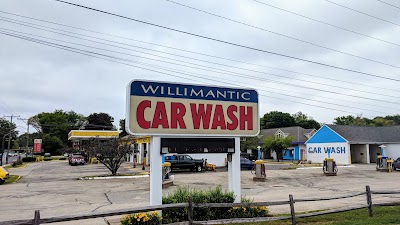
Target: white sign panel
(340,152)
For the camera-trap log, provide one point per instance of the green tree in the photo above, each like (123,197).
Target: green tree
(309,124)
(277,119)
(249,143)
(99,121)
(277,144)
(52,144)
(57,124)
(7,130)
(381,122)
(305,121)
(23,138)
(395,118)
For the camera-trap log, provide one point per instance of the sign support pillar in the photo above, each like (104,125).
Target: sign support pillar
(155,171)
(234,172)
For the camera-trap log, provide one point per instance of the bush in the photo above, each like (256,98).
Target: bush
(16,163)
(141,219)
(63,158)
(48,159)
(215,195)
(29,159)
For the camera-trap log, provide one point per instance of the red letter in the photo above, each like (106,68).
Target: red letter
(232,117)
(219,118)
(160,116)
(178,110)
(199,115)
(248,117)
(140,114)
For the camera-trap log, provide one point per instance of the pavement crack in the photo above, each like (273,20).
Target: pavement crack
(106,221)
(108,198)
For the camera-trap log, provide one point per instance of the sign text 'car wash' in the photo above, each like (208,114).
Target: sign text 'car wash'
(180,109)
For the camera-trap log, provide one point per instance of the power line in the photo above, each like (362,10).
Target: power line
(329,24)
(363,13)
(394,6)
(282,35)
(238,74)
(164,46)
(230,43)
(213,69)
(89,53)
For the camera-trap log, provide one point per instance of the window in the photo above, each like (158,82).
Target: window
(280,134)
(188,157)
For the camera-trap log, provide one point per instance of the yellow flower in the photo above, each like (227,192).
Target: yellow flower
(138,220)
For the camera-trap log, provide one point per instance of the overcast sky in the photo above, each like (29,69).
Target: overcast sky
(37,78)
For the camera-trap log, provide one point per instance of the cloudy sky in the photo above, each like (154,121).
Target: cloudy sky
(36,77)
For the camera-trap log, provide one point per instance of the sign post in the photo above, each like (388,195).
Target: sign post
(37,145)
(213,118)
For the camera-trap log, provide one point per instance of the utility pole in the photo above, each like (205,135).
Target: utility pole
(27,133)
(9,137)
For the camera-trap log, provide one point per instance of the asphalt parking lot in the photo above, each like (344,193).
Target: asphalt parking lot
(54,188)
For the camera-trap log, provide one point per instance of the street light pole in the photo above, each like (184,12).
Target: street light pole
(2,149)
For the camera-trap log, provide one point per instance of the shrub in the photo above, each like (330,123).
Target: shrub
(215,195)
(63,158)
(29,159)
(141,219)
(48,159)
(16,163)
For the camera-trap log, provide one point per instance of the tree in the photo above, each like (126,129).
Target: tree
(123,132)
(99,121)
(54,128)
(352,121)
(111,153)
(7,130)
(309,124)
(52,144)
(381,122)
(249,143)
(305,121)
(395,118)
(23,138)
(277,119)
(277,144)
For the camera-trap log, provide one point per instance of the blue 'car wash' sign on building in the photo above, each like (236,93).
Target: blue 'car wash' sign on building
(353,144)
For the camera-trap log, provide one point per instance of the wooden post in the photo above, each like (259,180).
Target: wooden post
(291,201)
(190,210)
(369,201)
(36,220)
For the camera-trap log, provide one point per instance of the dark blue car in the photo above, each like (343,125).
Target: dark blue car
(246,164)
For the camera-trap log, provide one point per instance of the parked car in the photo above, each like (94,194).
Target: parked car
(246,164)
(396,164)
(77,160)
(47,154)
(4,175)
(185,162)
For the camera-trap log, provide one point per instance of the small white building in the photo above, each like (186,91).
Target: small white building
(353,144)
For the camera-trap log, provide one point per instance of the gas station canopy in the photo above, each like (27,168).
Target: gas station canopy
(76,135)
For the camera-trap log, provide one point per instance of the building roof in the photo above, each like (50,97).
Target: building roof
(298,133)
(366,134)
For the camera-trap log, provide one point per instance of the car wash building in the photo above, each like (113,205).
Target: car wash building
(353,144)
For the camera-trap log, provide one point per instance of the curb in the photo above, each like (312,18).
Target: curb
(320,167)
(115,177)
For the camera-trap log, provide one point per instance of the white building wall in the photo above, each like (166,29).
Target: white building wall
(273,154)
(317,152)
(219,159)
(392,151)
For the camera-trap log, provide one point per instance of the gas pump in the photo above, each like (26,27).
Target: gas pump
(259,168)
(383,163)
(329,168)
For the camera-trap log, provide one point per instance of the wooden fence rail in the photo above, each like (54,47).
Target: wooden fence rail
(190,206)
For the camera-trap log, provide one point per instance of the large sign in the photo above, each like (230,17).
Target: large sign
(155,108)
(37,145)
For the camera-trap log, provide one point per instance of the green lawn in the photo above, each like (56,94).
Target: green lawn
(18,166)
(382,215)
(12,179)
